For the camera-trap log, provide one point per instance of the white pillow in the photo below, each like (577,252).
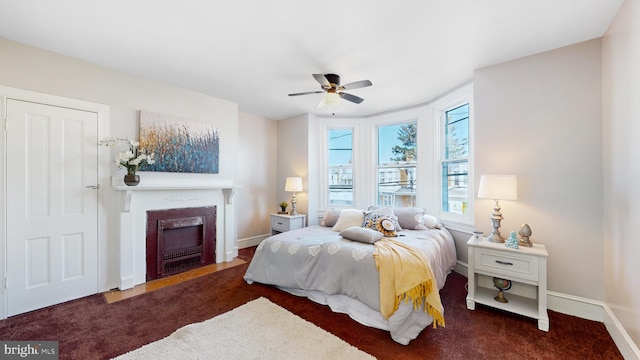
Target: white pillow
(348,218)
(410,218)
(431,222)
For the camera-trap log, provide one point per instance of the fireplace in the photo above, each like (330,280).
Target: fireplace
(179,239)
(161,191)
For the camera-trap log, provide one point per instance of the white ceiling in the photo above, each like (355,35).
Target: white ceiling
(256,52)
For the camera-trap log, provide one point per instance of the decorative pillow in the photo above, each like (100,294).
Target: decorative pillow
(357,233)
(380,222)
(331,217)
(348,218)
(431,222)
(386,211)
(410,218)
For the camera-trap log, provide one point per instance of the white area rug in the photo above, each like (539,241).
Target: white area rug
(258,329)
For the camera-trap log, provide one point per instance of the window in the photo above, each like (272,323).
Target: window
(397,159)
(340,167)
(376,160)
(455,161)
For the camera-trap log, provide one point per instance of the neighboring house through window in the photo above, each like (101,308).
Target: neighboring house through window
(340,167)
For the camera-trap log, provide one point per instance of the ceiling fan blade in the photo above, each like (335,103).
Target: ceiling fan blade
(352,98)
(356,85)
(322,80)
(307,93)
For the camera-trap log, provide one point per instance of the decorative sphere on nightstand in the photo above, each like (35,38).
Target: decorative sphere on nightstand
(501,284)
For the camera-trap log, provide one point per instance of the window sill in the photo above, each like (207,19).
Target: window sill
(458,226)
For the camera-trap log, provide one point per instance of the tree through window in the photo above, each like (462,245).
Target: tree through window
(397,159)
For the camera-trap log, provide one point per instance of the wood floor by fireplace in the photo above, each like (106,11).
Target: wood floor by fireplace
(179,240)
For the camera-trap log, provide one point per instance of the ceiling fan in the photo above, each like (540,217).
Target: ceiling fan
(330,85)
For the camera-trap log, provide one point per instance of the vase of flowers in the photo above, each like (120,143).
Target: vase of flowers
(131,159)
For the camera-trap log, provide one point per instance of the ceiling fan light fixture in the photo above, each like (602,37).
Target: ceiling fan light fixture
(331,99)
(330,86)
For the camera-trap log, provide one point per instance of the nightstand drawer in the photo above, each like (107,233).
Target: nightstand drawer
(280,223)
(283,222)
(514,265)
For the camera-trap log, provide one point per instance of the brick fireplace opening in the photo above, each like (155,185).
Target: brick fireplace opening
(179,240)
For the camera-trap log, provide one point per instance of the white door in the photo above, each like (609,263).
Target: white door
(52,210)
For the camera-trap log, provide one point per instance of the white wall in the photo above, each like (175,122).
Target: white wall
(293,160)
(257,171)
(45,72)
(621,90)
(540,118)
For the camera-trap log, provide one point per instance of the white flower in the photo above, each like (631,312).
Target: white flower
(333,248)
(131,159)
(358,254)
(293,248)
(124,157)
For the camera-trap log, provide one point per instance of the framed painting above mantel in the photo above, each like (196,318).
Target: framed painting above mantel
(180,145)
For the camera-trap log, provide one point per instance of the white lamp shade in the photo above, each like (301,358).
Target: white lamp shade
(293,184)
(498,187)
(331,99)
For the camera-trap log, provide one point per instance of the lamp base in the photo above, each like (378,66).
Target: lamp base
(293,206)
(496,237)
(496,217)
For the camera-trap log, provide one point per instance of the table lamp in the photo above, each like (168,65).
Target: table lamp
(497,187)
(293,184)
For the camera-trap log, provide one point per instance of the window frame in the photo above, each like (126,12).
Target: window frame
(328,167)
(439,108)
(417,115)
(379,167)
(323,126)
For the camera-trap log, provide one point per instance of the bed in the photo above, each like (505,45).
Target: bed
(318,263)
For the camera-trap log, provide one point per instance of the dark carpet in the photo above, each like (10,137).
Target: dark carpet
(90,328)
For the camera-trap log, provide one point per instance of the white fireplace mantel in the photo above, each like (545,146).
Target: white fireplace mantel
(228,190)
(169,192)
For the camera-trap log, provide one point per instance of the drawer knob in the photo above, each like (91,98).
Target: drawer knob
(279,223)
(503,262)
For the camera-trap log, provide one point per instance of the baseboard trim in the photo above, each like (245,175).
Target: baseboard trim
(596,311)
(586,309)
(575,306)
(625,344)
(461,268)
(251,241)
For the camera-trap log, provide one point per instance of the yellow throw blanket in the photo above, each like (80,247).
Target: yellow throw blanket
(405,274)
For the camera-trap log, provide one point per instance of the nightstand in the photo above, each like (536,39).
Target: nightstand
(283,222)
(526,267)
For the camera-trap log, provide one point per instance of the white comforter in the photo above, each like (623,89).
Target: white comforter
(318,263)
